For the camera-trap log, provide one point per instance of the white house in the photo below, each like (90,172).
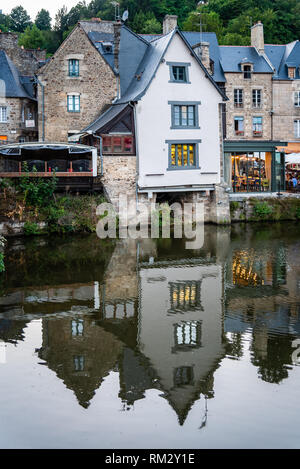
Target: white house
(163,134)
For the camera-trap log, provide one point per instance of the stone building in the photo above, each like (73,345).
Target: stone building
(79,81)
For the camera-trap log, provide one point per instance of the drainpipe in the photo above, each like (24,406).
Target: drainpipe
(136,155)
(36,81)
(100,150)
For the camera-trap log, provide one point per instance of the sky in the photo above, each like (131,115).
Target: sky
(32,6)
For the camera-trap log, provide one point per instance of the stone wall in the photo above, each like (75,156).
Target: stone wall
(25,60)
(284,109)
(261,81)
(96,86)
(119,177)
(14,128)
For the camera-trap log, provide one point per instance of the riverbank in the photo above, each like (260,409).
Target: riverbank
(37,210)
(253,209)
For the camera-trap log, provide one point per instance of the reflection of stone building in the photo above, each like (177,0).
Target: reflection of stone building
(262,295)
(80,353)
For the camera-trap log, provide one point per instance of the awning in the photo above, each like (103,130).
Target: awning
(292,147)
(292,158)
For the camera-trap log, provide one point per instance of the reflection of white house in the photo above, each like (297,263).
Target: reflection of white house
(180,328)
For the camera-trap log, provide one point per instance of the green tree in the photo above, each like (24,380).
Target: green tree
(32,38)
(211,22)
(61,21)
(19,19)
(43,20)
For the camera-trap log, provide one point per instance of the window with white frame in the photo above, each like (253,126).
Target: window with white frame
(238,98)
(3,114)
(297,128)
(256,98)
(73,103)
(297,98)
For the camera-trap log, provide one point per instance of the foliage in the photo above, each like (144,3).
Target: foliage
(231,20)
(32,38)
(31,228)
(262,209)
(37,191)
(19,19)
(43,20)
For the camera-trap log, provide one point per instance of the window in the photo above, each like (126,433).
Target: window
(77,327)
(297,128)
(187,334)
(118,144)
(291,72)
(183,155)
(297,98)
(184,115)
(179,72)
(257,126)
(247,72)
(73,68)
(239,125)
(256,98)
(78,363)
(183,376)
(185,296)
(238,98)
(3,114)
(73,103)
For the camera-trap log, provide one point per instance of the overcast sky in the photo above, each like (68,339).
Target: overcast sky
(33,6)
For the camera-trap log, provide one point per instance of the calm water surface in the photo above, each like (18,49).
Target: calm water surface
(144,344)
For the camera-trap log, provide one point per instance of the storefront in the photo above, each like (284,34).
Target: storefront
(254,166)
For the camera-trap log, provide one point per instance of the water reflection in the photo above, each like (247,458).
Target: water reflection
(162,317)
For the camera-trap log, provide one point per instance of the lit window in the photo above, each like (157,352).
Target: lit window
(73,103)
(73,68)
(185,296)
(256,98)
(238,98)
(183,155)
(3,114)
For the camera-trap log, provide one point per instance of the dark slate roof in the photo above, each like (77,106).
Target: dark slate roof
(150,63)
(233,56)
(146,69)
(105,118)
(15,86)
(283,56)
(193,38)
(99,40)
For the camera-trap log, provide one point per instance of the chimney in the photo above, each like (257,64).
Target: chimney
(257,37)
(169,23)
(202,51)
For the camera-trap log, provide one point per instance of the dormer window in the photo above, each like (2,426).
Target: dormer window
(107,47)
(292,72)
(73,68)
(247,71)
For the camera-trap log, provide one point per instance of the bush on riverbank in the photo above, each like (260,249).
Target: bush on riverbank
(33,201)
(272,209)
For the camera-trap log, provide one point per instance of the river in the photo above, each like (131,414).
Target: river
(147,344)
